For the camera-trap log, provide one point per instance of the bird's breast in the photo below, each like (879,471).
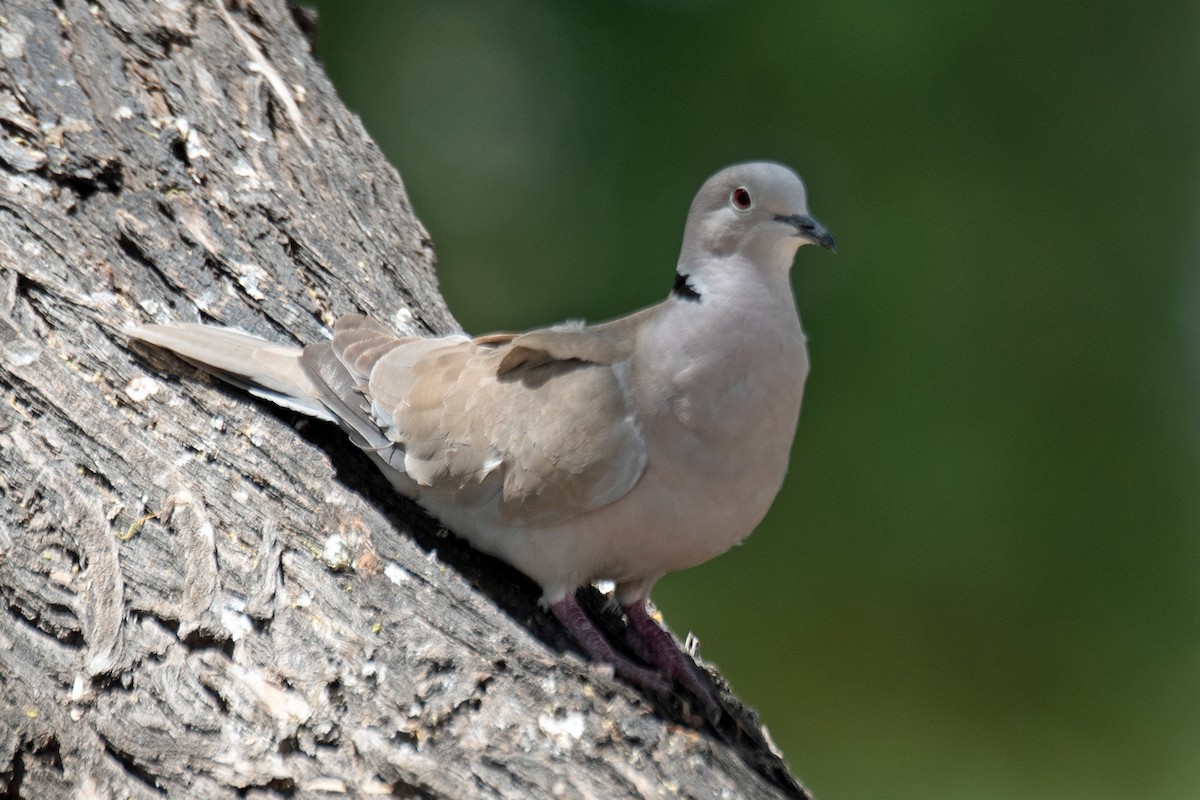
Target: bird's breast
(718,405)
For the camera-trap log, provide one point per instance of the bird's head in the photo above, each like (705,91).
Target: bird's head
(758,210)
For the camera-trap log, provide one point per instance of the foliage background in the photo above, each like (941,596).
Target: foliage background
(982,579)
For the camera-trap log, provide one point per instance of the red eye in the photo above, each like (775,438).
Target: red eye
(740,198)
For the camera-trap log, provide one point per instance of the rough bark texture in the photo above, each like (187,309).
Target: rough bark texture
(198,596)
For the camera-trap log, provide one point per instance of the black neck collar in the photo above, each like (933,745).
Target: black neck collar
(684,288)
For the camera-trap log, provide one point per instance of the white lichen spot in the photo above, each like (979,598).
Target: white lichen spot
(236,622)
(12,44)
(284,705)
(248,276)
(194,148)
(103,298)
(241,496)
(21,353)
(217,423)
(403,318)
(141,387)
(242,169)
(396,573)
(336,553)
(563,730)
(377,788)
(82,694)
(304,600)
(255,434)
(151,307)
(324,786)
(122,113)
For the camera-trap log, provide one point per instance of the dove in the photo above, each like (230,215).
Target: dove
(616,452)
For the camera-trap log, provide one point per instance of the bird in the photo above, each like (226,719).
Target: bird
(578,454)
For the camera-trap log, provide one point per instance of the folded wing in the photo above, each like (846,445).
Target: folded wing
(529,430)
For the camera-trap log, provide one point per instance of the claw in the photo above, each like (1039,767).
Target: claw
(589,637)
(664,653)
(650,642)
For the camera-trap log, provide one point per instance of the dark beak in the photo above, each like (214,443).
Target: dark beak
(812,230)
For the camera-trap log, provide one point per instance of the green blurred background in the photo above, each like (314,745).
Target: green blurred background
(982,579)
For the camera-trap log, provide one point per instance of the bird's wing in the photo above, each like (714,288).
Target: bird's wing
(535,428)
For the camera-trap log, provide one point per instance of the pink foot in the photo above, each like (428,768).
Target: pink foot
(650,641)
(589,637)
(660,649)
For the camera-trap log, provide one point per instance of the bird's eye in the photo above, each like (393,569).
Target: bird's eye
(740,199)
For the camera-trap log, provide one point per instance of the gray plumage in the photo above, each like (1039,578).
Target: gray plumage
(617,451)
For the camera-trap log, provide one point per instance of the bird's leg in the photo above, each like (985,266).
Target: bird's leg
(661,651)
(589,637)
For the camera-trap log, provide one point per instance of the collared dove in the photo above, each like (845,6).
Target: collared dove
(578,454)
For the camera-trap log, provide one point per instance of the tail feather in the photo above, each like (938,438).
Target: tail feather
(263,368)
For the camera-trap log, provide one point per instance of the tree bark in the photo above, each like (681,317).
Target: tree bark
(201,596)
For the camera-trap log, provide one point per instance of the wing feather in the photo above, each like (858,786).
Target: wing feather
(531,429)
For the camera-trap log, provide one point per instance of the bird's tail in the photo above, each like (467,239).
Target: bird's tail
(265,369)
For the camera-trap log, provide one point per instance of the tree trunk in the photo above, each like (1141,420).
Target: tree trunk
(199,596)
